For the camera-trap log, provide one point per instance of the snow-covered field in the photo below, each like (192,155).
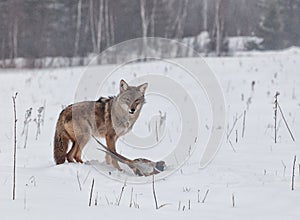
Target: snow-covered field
(252,171)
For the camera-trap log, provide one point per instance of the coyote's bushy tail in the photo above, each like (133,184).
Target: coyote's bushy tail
(61,142)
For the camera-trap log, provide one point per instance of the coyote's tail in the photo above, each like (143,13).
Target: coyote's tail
(61,142)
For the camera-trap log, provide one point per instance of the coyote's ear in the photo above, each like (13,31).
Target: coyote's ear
(143,87)
(123,85)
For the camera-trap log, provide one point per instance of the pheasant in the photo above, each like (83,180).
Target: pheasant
(140,166)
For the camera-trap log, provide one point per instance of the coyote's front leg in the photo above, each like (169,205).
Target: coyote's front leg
(110,142)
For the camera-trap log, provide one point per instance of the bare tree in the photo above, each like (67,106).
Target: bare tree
(96,24)
(92,24)
(145,20)
(219,27)
(106,22)
(78,24)
(15,37)
(180,19)
(3,52)
(205,15)
(152,23)
(112,28)
(15,13)
(99,26)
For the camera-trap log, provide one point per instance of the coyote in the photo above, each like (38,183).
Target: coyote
(109,117)
(140,166)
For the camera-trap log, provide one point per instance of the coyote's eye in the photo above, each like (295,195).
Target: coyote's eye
(139,100)
(126,100)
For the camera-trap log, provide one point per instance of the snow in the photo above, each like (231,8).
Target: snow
(239,43)
(200,43)
(252,170)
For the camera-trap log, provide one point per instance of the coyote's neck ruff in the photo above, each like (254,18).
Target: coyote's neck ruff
(108,117)
(122,119)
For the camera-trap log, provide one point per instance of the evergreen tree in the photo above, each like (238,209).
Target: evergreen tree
(270,27)
(290,13)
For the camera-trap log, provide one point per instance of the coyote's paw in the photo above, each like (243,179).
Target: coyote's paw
(78,160)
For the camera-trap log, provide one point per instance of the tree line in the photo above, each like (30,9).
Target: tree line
(35,29)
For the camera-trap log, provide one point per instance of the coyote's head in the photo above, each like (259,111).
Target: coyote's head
(131,98)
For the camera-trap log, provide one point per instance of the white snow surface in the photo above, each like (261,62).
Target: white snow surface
(255,171)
